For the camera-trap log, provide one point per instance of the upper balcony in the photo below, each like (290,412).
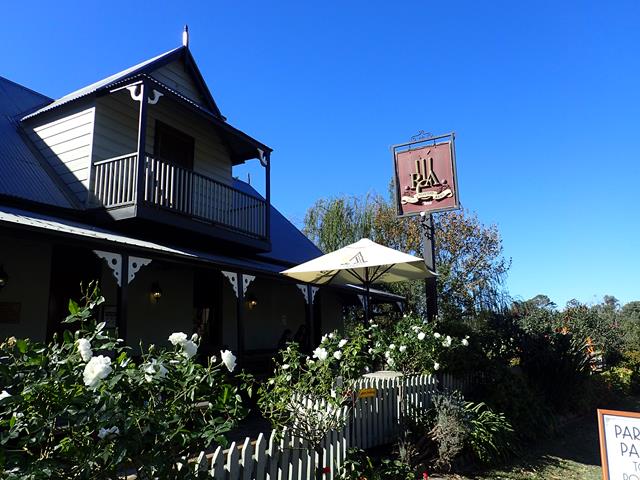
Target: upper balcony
(175,190)
(150,143)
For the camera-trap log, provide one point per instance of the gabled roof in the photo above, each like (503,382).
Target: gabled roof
(142,68)
(22,174)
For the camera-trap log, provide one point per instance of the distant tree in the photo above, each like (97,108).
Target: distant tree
(336,222)
(470,262)
(536,315)
(469,258)
(541,301)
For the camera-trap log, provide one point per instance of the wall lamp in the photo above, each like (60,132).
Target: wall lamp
(156,292)
(4,278)
(252,301)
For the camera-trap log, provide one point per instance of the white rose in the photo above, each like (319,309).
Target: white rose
(154,369)
(371,350)
(447,342)
(465,342)
(189,349)
(194,337)
(387,354)
(323,339)
(105,432)
(320,353)
(96,370)
(392,347)
(390,362)
(402,348)
(436,366)
(437,335)
(337,354)
(4,395)
(331,335)
(229,359)
(342,343)
(84,347)
(421,336)
(178,338)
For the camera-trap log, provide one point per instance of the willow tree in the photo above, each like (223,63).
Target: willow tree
(469,254)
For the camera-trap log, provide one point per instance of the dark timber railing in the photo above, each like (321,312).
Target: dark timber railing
(171,187)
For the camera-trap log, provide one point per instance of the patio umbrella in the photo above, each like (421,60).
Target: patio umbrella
(364,262)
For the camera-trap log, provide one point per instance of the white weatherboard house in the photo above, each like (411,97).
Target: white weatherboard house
(130,181)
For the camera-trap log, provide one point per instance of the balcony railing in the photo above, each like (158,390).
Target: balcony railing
(179,190)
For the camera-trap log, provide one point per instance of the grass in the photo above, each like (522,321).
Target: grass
(573,455)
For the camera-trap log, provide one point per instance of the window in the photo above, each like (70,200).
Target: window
(173,146)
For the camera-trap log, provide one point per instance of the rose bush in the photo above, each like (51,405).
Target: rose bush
(412,346)
(83,407)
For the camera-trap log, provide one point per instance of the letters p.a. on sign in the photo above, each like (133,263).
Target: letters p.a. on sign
(619,444)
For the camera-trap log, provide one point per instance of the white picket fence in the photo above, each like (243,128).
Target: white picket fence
(370,422)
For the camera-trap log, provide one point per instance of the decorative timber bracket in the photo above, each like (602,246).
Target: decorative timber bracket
(233,280)
(114,262)
(135,264)
(136,94)
(246,281)
(308,292)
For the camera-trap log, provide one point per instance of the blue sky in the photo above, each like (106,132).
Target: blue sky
(544,98)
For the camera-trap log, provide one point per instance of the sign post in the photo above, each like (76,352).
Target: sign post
(619,444)
(425,182)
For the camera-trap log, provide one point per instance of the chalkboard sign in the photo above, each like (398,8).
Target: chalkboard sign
(619,444)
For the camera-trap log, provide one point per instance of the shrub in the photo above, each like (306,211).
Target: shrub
(306,394)
(619,379)
(81,407)
(559,366)
(451,427)
(631,360)
(490,434)
(412,346)
(507,390)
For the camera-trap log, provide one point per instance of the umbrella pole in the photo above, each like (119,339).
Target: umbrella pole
(366,308)
(367,285)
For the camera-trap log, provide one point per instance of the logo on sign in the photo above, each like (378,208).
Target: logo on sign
(422,180)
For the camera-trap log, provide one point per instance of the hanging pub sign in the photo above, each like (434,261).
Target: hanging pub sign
(425,175)
(619,444)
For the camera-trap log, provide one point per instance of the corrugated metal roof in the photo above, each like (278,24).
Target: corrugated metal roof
(89,89)
(288,244)
(21,173)
(44,223)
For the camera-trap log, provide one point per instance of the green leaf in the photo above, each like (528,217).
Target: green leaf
(22,345)
(73,307)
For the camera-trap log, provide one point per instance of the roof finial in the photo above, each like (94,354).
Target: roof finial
(185,37)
